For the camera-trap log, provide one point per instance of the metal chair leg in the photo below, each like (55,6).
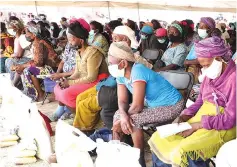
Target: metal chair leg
(46,94)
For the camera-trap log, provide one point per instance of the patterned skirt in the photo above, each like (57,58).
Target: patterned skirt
(155,115)
(29,88)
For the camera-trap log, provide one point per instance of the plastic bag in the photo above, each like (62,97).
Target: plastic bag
(20,113)
(116,154)
(72,146)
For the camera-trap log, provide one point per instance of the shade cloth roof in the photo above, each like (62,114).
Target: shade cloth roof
(185,5)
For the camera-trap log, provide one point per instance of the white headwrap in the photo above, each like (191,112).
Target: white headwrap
(127,31)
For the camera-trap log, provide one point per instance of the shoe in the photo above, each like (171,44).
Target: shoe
(65,116)
(53,118)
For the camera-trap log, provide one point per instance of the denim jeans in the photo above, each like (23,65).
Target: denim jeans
(192,163)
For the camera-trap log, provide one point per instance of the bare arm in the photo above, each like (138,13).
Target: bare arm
(139,89)
(191,62)
(123,102)
(60,67)
(169,67)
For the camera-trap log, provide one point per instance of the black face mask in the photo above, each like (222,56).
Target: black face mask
(173,38)
(29,39)
(75,47)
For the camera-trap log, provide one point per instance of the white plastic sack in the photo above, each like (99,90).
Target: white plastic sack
(72,146)
(116,154)
(5,83)
(18,111)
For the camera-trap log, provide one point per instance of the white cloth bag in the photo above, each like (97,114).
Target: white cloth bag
(116,154)
(72,146)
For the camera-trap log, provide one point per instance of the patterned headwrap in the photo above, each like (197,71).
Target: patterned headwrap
(34,29)
(210,22)
(121,50)
(212,47)
(179,28)
(18,24)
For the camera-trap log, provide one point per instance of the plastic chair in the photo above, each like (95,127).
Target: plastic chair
(183,81)
(49,87)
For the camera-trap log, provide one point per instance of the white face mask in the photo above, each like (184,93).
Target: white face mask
(161,40)
(202,33)
(115,71)
(11,32)
(214,70)
(202,76)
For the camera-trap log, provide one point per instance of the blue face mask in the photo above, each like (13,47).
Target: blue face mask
(91,36)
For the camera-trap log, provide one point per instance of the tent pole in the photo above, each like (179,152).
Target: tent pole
(36,9)
(109,11)
(138,12)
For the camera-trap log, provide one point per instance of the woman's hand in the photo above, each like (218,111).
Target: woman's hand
(182,118)
(126,124)
(19,69)
(56,76)
(195,127)
(64,84)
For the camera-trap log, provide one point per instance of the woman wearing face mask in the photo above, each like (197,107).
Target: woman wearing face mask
(148,39)
(206,26)
(163,101)
(20,56)
(191,36)
(162,38)
(44,62)
(7,45)
(90,67)
(212,117)
(54,30)
(174,56)
(97,38)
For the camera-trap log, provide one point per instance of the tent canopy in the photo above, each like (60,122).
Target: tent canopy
(183,5)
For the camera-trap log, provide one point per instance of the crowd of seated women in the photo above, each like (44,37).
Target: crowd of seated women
(103,75)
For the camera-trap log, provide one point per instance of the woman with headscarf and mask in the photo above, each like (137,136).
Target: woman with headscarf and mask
(174,56)
(163,101)
(205,29)
(90,67)
(44,62)
(212,117)
(97,39)
(148,39)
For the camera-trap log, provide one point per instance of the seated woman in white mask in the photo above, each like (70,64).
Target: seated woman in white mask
(163,102)
(212,117)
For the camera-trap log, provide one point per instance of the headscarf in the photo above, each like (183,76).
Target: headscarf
(127,31)
(83,23)
(178,27)
(210,22)
(212,47)
(34,29)
(161,32)
(78,31)
(147,29)
(18,24)
(121,50)
(37,31)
